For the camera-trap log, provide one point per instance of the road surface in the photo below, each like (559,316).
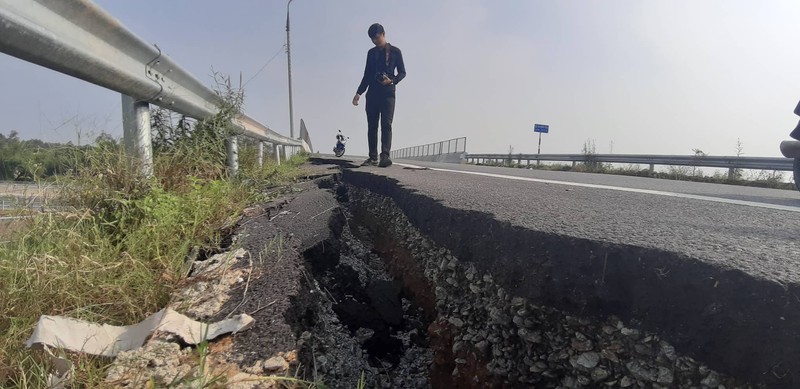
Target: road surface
(713,268)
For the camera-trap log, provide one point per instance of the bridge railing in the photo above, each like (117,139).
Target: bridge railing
(450,146)
(78,38)
(730,162)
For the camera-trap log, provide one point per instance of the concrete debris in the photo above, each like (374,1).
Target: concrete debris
(108,341)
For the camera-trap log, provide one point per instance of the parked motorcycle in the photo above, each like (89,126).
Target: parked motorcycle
(340,141)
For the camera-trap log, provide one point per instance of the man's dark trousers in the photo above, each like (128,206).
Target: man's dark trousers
(380,109)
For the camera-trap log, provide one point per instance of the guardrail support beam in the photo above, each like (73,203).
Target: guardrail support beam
(136,132)
(276,150)
(232,146)
(652,169)
(731,174)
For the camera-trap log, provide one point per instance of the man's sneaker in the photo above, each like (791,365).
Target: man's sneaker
(385,162)
(370,162)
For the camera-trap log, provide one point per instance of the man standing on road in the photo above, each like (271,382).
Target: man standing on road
(380,77)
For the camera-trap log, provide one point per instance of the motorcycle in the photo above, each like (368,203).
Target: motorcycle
(791,149)
(340,141)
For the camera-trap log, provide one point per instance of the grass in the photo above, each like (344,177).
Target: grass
(116,256)
(273,249)
(114,262)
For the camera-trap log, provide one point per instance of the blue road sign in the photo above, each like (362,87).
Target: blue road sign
(543,128)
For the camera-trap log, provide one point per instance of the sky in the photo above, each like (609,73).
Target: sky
(635,76)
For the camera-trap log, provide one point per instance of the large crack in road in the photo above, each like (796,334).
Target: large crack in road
(389,304)
(352,278)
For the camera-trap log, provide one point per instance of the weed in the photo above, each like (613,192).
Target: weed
(116,253)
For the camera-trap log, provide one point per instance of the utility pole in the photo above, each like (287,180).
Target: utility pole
(289,56)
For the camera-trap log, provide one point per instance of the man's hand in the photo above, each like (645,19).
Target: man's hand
(356,98)
(386,80)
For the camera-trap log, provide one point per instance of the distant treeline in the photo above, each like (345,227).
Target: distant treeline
(29,160)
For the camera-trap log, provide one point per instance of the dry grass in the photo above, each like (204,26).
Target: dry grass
(117,254)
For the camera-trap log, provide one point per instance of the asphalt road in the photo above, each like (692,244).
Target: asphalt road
(714,269)
(732,192)
(755,230)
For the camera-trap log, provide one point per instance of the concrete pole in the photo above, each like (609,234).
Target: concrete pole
(232,146)
(136,132)
(285,154)
(260,156)
(276,149)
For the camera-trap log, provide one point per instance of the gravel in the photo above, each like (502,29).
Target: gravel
(508,341)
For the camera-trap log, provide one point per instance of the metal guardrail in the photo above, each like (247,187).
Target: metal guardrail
(450,146)
(78,38)
(729,162)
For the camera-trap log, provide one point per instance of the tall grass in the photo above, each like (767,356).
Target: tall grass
(119,252)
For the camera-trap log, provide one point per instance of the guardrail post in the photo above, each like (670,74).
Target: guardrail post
(277,151)
(232,146)
(574,163)
(260,156)
(652,169)
(136,132)
(731,174)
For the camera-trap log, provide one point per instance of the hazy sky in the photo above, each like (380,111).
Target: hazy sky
(650,76)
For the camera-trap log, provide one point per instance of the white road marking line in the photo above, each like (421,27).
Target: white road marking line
(623,189)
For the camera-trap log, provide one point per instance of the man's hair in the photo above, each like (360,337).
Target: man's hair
(375,29)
